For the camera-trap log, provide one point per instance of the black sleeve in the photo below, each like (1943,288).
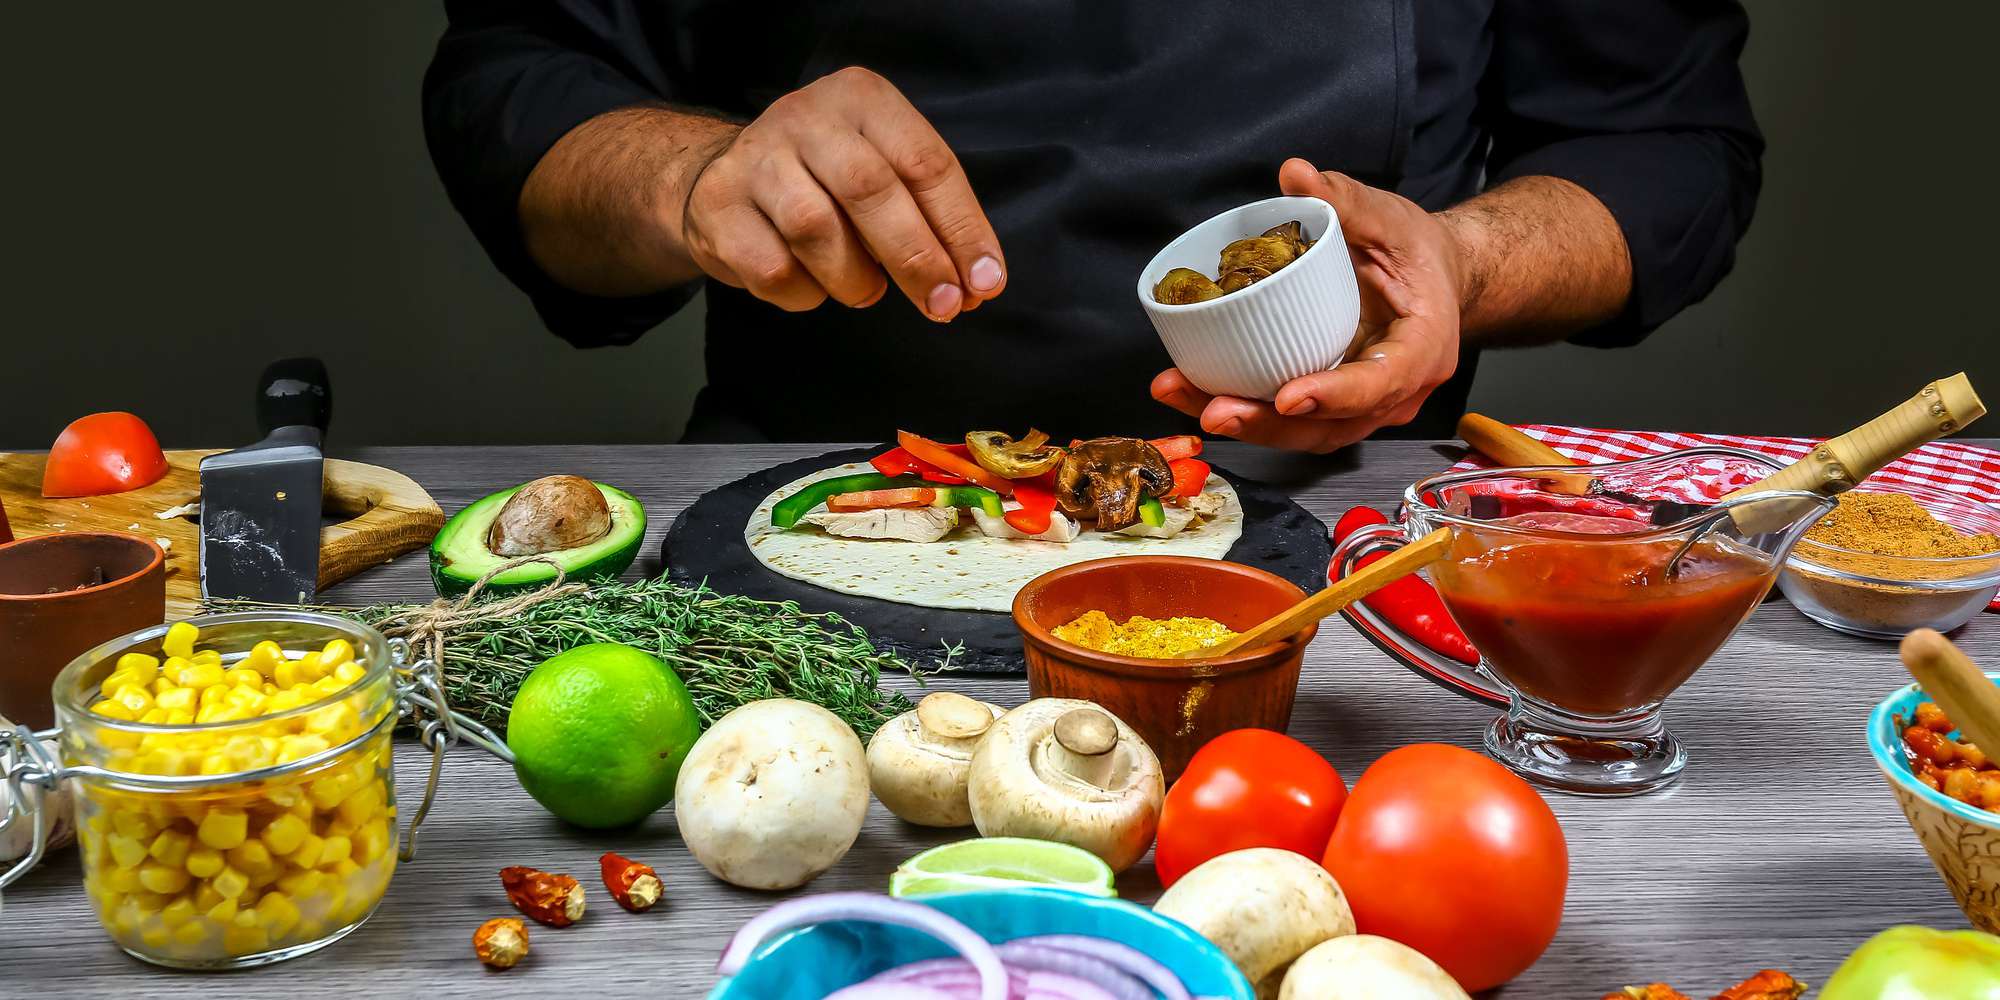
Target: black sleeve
(1639,102)
(511,77)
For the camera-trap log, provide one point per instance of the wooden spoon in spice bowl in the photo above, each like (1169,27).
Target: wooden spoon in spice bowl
(1950,678)
(1340,594)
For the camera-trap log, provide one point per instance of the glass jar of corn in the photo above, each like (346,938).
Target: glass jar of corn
(234,783)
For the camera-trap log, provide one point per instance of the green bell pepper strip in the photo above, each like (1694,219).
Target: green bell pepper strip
(1151,512)
(787,512)
(1919,962)
(970,496)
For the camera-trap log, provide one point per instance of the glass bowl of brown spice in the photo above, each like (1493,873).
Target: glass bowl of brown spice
(1891,558)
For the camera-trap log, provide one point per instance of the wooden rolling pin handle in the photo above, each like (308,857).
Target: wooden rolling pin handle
(1506,445)
(1951,679)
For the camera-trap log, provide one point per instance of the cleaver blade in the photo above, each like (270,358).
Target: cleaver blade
(260,505)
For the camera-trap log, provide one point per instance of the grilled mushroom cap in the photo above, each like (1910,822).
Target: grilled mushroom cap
(1183,285)
(1105,478)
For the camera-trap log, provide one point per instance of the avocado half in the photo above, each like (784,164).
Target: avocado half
(459,556)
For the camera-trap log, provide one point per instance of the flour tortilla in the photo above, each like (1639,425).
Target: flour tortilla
(965,569)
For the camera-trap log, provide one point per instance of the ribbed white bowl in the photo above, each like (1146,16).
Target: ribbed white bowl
(1250,342)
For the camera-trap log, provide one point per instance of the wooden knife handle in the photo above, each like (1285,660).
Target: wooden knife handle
(1505,445)
(1940,408)
(389,514)
(1951,679)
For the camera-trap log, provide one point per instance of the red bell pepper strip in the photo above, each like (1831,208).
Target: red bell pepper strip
(1038,504)
(909,496)
(1190,475)
(944,458)
(898,462)
(1410,604)
(1177,447)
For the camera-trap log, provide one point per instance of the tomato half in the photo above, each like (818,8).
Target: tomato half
(1247,788)
(103,453)
(1452,854)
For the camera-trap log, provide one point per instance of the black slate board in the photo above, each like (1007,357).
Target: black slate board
(706,543)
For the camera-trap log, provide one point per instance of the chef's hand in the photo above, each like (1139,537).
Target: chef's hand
(833,185)
(1411,275)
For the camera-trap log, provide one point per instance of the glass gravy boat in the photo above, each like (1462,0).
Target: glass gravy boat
(1562,582)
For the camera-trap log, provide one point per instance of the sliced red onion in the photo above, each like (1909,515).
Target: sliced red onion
(874,990)
(1027,954)
(958,978)
(1123,956)
(869,907)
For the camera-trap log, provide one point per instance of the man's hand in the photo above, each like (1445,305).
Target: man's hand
(1412,275)
(834,191)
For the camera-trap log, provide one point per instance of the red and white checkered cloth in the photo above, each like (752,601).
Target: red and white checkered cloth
(1963,469)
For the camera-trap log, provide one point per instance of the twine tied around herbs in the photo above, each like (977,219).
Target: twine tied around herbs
(426,627)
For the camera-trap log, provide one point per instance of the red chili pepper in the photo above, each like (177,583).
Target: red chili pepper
(1190,475)
(1410,604)
(898,462)
(1037,508)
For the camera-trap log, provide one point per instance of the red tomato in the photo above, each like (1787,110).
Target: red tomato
(103,453)
(1452,854)
(1247,788)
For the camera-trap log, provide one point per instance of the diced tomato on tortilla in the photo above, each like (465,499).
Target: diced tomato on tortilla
(1190,475)
(847,503)
(1177,447)
(1038,504)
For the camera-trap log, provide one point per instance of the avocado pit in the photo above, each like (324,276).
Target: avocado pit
(550,514)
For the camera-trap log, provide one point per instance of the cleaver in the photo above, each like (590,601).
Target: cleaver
(260,505)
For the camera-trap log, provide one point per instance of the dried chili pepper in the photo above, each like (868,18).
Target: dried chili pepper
(1653,991)
(501,942)
(1769,984)
(546,898)
(636,887)
(1410,604)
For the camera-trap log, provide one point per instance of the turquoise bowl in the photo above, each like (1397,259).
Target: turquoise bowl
(1963,841)
(811,962)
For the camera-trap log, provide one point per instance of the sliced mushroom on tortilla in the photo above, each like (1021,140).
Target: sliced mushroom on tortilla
(1104,479)
(902,524)
(1000,454)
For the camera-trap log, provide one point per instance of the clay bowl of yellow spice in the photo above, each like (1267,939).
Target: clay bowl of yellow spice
(1896,557)
(1138,670)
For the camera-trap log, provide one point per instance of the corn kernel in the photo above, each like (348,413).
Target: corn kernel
(134,824)
(349,672)
(229,883)
(328,685)
(114,710)
(279,913)
(338,827)
(328,791)
(179,640)
(224,829)
(239,940)
(153,716)
(207,656)
(171,848)
(284,834)
(139,665)
(371,841)
(304,670)
(334,721)
(264,657)
(126,851)
(250,857)
(191,933)
(311,848)
(243,677)
(225,911)
(335,850)
(203,862)
(270,688)
(162,879)
(161,686)
(199,674)
(155,938)
(263,877)
(178,717)
(181,698)
(122,879)
(293,748)
(205,897)
(133,697)
(171,667)
(178,912)
(364,803)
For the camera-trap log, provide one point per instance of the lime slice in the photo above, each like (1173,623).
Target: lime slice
(1002,863)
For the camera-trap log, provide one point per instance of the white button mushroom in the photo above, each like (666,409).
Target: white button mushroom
(1264,907)
(773,794)
(917,763)
(1366,967)
(1068,771)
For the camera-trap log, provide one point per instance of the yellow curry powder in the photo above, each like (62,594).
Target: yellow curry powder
(1879,531)
(1153,638)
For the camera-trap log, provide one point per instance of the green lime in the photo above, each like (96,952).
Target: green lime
(599,733)
(1002,863)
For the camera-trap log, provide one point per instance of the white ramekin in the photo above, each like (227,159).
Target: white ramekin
(1295,322)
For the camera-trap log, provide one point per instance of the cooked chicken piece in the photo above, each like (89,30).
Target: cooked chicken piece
(1061,528)
(901,524)
(1180,518)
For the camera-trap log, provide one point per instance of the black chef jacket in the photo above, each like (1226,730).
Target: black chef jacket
(1094,131)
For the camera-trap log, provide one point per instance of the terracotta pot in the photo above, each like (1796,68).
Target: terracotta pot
(1177,705)
(104,585)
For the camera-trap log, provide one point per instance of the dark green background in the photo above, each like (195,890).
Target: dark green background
(195,189)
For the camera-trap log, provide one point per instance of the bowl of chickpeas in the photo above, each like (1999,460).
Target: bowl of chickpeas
(1949,790)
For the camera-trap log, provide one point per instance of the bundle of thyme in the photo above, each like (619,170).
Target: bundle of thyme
(729,650)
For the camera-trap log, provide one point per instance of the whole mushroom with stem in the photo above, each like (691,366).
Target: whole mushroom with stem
(918,761)
(1067,770)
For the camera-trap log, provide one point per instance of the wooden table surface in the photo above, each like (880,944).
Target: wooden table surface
(1781,846)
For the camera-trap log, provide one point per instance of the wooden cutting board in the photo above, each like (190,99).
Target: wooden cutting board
(387,514)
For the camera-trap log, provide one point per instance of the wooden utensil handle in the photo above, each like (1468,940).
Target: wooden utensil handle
(1940,408)
(1505,445)
(1950,678)
(1348,589)
(393,515)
